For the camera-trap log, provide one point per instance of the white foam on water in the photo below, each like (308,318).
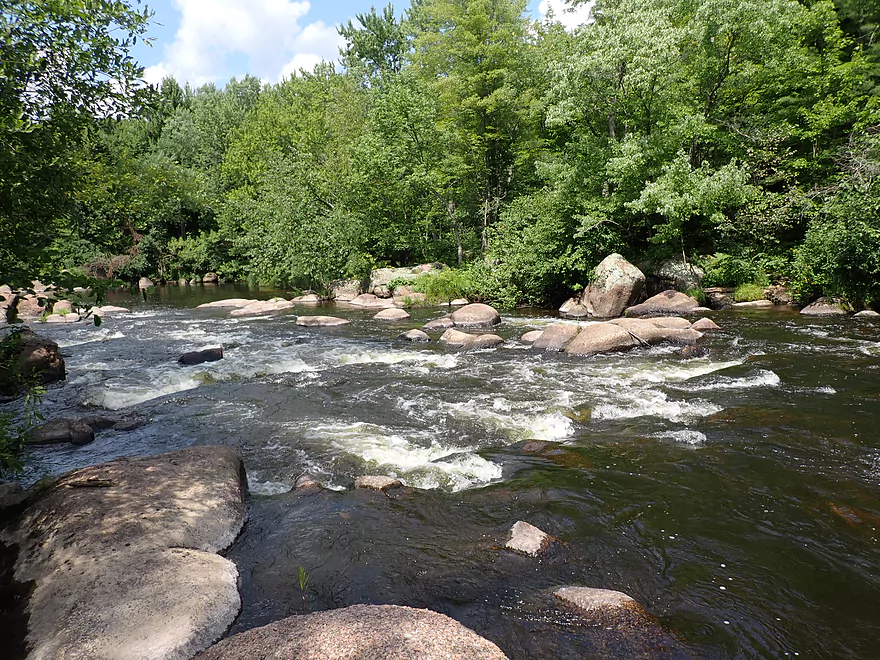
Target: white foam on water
(100,335)
(527,423)
(826,390)
(672,372)
(649,403)
(423,465)
(764,378)
(257,487)
(427,358)
(115,396)
(683,436)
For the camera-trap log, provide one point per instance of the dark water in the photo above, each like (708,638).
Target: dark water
(736,496)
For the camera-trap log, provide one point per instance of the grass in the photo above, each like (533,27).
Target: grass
(748,293)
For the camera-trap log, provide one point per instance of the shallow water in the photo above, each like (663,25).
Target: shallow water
(736,496)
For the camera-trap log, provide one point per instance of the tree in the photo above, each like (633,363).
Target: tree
(63,63)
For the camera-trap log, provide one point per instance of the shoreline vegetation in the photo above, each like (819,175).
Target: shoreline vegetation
(743,139)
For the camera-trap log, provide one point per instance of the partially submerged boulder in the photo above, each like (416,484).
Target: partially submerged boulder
(442,323)
(377,482)
(110,310)
(456,339)
(416,336)
(665,303)
(122,555)
(321,321)
(389,632)
(753,304)
(235,303)
(38,358)
(307,299)
(199,357)
(704,325)
(56,431)
(868,313)
(616,285)
(476,315)
(344,290)
(260,307)
(556,337)
(827,307)
(210,278)
(601,338)
(391,315)
(62,318)
(369,300)
(528,540)
(531,337)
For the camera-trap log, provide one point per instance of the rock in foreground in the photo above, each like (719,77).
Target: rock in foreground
(122,555)
(362,632)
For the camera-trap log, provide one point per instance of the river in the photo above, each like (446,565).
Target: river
(736,496)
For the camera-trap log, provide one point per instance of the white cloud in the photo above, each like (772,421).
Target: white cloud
(563,12)
(221,38)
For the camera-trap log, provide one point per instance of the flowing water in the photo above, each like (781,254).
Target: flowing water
(736,496)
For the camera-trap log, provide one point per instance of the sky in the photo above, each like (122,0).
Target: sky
(200,41)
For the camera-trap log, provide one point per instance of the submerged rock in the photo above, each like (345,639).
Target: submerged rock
(415,336)
(665,303)
(827,307)
(321,321)
(364,632)
(122,555)
(476,315)
(528,540)
(377,482)
(443,323)
(556,337)
(587,599)
(705,324)
(391,315)
(199,357)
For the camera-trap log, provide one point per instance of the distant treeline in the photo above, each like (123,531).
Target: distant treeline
(742,135)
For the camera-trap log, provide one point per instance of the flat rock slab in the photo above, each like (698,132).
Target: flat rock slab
(443,323)
(377,482)
(362,632)
(109,310)
(476,315)
(369,300)
(122,557)
(61,430)
(321,321)
(527,539)
(753,304)
(235,303)
(307,299)
(665,303)
(456,339)
(62,318)
(868,313)
(391,315)
(595,600)
(417,336)
(263,307)
(556,337)
(827,307)
(531,337)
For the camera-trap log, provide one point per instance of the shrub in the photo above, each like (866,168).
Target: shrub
(748,292)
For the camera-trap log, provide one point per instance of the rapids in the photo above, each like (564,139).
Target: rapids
(737,496)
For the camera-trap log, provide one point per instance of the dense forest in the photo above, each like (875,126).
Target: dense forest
(743,135)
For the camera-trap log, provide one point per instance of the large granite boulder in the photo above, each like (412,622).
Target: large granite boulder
(828,307)
(476,315)
(601,338)
(664,303)
(380,279)
(678,274)
(616,285)
(364,632)
(456,339)
(556,337)
(344,290)
(123,557)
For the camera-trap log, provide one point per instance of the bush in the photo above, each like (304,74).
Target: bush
(729,270)
(445,285)
(748,292)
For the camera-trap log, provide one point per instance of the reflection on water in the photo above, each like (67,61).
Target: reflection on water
(736,496)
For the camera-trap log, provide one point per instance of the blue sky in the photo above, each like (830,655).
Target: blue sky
(201,41)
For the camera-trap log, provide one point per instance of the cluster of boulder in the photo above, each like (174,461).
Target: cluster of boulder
(45,306)
(38,359)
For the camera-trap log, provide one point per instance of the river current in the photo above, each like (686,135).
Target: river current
(736,496)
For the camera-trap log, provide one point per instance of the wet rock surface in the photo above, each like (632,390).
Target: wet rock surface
(321,321)
(377,482)
(392,315)
(528,540)
(416,336)
(556,337)
(365,632)
(263,307)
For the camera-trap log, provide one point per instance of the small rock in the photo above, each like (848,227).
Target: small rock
(486,340)
(415,336)
(51,432)
(11,494)
(145,283)
(705,324)
(211,278)
(596,600)
(263,307)
(307,299)
(576,312)
(459,302)
(62,306)
(753,304)
(701,310)
(476,315)
(391,315)
(109,310)
(528,539)
(307,482)
(199,357)
(531,337)
(62,318)
(556,337)
(867,313)
(377,482)
(321,321)
(567,305)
